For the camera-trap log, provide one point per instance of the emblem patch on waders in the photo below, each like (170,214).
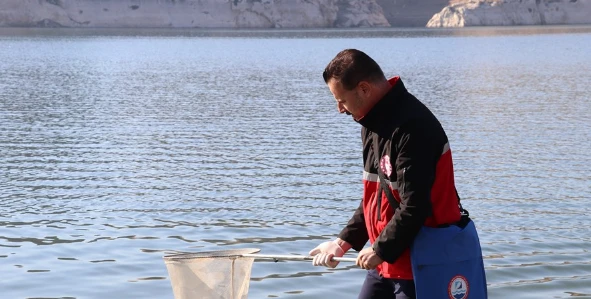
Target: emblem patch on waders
(458,287)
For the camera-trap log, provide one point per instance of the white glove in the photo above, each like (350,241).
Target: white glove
(324,253)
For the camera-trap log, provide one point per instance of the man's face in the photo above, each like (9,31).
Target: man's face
(348,101)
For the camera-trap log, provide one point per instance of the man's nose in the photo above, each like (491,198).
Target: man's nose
(341,108)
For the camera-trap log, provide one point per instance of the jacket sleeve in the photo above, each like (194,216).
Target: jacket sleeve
(355,233)
(417,151)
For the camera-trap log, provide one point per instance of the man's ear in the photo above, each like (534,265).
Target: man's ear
(364,88)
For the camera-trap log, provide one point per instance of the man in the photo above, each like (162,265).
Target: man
(406,146)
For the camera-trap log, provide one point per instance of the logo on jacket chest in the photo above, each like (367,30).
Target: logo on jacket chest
(385,165)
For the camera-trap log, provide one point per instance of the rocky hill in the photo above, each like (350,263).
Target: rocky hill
(512,12)
(290,13)
(192,13)
(411,13)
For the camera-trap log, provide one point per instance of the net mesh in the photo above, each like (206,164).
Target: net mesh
(222,274)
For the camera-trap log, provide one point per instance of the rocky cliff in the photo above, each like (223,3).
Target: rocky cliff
(411,13)
(192,13)
(512,12)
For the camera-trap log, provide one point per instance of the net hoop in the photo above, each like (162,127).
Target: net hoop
(231,253)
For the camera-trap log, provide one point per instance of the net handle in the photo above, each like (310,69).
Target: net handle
(295,257)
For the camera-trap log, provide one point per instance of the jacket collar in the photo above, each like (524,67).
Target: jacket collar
(380,118)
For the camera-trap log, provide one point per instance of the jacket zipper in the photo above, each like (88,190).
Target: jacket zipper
(379,199)
(379,208)
(403,181)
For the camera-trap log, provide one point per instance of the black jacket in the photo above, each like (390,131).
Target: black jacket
(413,153)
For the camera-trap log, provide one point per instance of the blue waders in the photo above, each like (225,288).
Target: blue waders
(447,263)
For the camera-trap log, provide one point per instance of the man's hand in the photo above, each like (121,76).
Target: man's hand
(368,259)
(324,253)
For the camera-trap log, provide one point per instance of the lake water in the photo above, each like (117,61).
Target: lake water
(119,145)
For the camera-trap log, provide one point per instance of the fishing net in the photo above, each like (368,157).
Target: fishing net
(221,274)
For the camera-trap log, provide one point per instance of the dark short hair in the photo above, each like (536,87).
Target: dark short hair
(352,66)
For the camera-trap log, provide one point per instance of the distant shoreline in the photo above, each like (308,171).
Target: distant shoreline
(301,32)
